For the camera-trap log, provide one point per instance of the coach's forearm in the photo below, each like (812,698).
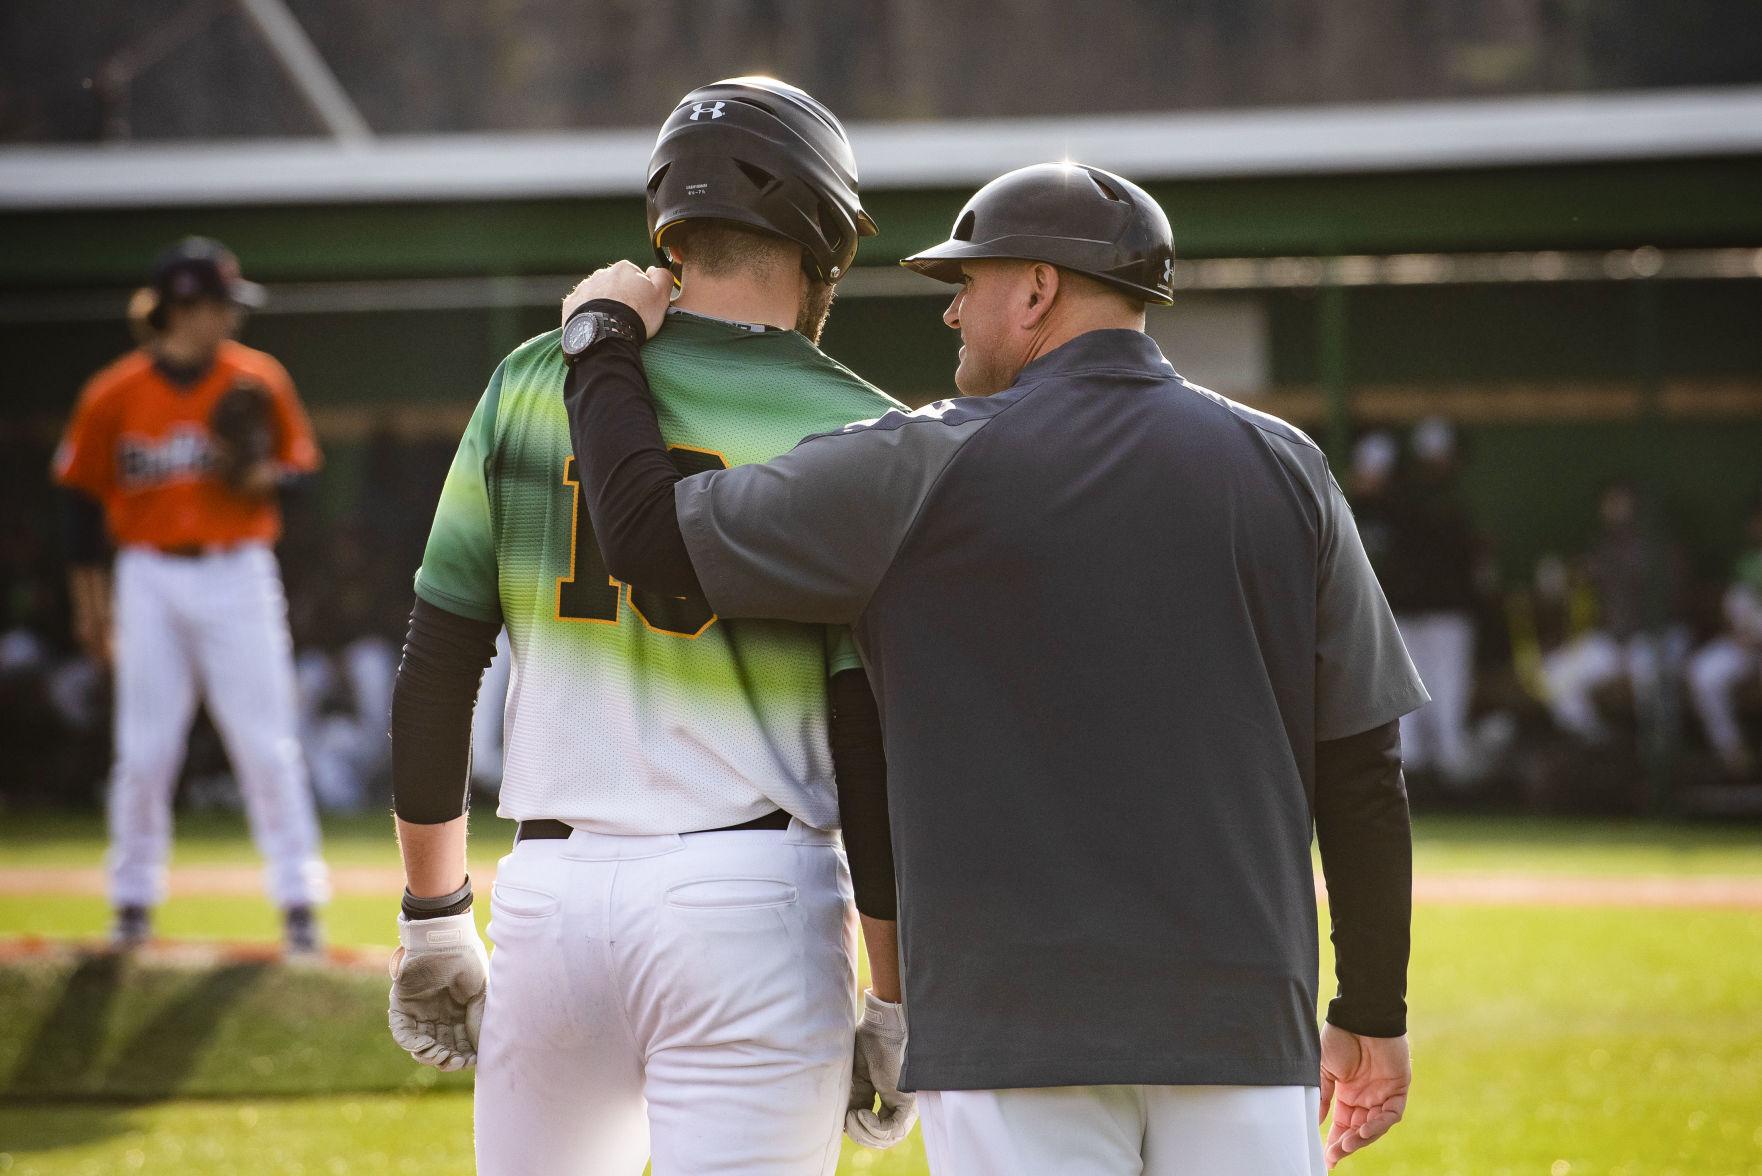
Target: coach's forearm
(1366,841)
(434,856)
(859,766)
(881,941)
(627,476)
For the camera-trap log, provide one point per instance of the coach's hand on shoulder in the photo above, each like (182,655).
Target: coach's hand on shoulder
(646,292)
(880,1052)
(438,979)
(1366,1080)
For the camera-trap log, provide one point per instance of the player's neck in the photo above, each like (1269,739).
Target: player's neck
(742,298)
(178,352)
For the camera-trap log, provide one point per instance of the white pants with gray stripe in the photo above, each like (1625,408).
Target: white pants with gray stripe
(213,626)
(1123,1131)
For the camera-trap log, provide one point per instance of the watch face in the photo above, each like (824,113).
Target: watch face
(582,330)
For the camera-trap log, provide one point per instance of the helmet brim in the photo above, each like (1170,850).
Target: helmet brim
(249,295)
(943,262)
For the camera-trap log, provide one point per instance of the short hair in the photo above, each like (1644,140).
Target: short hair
(1096,288)
(722,247)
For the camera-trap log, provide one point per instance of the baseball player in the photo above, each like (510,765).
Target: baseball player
(177,450)
(1722,666)
(1129,651)
(674,972)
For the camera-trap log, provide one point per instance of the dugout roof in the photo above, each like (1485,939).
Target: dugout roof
(1543,172)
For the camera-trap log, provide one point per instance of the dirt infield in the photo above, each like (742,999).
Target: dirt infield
(192,954)
(1743,893)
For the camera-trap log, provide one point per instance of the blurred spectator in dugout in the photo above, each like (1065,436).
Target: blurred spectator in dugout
(1370,487)
(1429,575)
(1635,576)
(1722,668)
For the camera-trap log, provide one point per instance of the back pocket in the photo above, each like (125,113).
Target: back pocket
(520,902)
(730,894)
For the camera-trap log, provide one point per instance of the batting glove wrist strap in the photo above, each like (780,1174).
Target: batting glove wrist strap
(883,1018)
(447,933)
(456,903)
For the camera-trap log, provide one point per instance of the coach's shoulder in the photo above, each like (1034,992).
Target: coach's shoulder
(939,420)
(1266,422)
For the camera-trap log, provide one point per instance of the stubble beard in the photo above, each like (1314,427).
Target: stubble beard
(816,307)
(974,378)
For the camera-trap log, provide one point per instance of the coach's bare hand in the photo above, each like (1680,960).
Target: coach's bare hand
(439,976)
(646,292)
(1366,1080)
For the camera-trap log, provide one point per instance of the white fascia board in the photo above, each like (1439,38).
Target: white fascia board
(963,154)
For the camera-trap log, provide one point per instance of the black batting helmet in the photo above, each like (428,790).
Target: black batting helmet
(1070,215)
(759,152)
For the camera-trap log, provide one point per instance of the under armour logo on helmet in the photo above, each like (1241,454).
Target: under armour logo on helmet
(713,109)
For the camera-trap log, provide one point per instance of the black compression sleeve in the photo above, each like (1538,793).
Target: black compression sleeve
(445,655)
(1366,845)
(861,767)
(626,475)
(82,528)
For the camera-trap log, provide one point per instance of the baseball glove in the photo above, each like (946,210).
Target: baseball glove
(243,427)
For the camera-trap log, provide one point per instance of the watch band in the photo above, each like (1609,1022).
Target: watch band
(616,319)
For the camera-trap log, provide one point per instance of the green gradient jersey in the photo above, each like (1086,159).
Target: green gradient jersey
(630,712)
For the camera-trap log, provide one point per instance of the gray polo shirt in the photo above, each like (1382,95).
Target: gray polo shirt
(1107,615)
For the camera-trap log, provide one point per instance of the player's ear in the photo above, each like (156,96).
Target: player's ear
(1041,282)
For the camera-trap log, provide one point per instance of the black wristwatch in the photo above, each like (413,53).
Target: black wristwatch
(587,327)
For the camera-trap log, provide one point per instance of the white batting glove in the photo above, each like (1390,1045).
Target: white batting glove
(880,1052)
(438,979)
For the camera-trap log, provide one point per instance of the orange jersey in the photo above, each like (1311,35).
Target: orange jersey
(140,445)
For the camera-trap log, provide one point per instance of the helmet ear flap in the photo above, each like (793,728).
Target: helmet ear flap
(665,255)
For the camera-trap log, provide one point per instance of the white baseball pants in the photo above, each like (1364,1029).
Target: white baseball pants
(1577,670)
(1715,673)
(690,998)
(1123,1131)
(215,624)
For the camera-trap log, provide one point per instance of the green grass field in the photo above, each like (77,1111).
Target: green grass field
(1548,1039)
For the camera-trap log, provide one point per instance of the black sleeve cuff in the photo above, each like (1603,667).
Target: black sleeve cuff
(623,312)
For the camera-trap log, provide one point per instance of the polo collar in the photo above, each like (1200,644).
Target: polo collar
(1111,349)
